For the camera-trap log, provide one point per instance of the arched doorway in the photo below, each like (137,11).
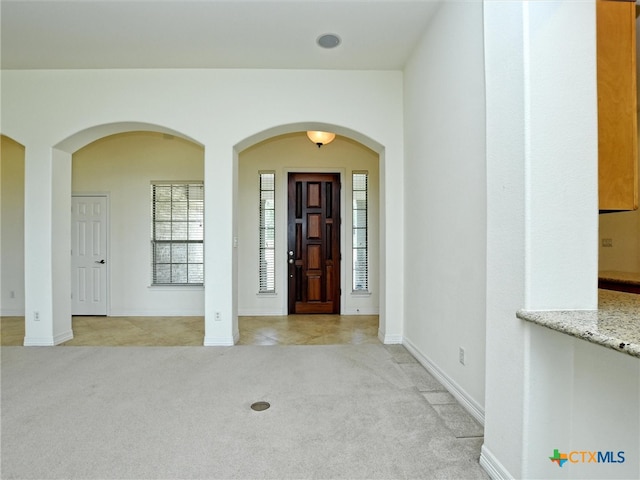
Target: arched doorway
(263,287)
(130,170)
(39,332)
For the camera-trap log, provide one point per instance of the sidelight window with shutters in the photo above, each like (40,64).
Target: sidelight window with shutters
(267,237)
(360,245)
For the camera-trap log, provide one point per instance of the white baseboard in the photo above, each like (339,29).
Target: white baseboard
(48,341)
(157,313)
(38,342)
(389,339)
(63,337)
(492,466)
(466,401)
(219,341)
(12,312)
(361,311)
(261,312)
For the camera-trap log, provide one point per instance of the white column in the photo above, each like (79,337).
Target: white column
(61,245)
(37,251)
(47,246)
(392,259)
(220,321)
(502,453)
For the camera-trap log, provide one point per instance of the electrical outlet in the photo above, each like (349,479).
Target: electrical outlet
(607,242)
(12,294)
(218,317)
(36,316)
(461,355)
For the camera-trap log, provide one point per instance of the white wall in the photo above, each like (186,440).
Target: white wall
(545,390)
(123,167)
(291,153)
(504,398)
(11,227)
(445,195)
(225,111)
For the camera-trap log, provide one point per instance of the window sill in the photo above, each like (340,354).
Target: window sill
(361,293)
(177,287)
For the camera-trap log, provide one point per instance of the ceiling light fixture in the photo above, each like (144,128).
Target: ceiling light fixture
(321,138)
(329,40)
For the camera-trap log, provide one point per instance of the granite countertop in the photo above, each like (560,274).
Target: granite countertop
(616,323)
(620,277)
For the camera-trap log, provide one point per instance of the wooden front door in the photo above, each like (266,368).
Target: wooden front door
(313,249)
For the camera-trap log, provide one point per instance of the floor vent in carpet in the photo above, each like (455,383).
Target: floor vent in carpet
(260,406)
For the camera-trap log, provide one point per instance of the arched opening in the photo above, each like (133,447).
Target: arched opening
(84,137)
(118,162)
(264,273)
(220,316)
(142,191)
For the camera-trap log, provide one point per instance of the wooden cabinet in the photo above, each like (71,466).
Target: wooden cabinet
(617,100)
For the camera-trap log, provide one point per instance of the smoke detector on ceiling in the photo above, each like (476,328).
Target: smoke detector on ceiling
(328,40)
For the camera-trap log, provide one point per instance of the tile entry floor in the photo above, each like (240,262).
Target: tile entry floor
(189,331)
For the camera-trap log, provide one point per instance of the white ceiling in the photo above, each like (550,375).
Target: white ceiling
(376,34)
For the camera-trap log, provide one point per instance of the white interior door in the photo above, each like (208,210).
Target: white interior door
(89,255)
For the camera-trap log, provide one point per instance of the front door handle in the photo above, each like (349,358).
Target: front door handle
(101,261)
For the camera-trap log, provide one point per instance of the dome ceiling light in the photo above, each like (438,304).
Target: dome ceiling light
(321,138)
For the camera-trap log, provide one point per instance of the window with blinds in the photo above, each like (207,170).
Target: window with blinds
(267,267)
(359,230)
(177,233)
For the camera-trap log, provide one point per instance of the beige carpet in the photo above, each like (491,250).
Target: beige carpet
(357,411)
